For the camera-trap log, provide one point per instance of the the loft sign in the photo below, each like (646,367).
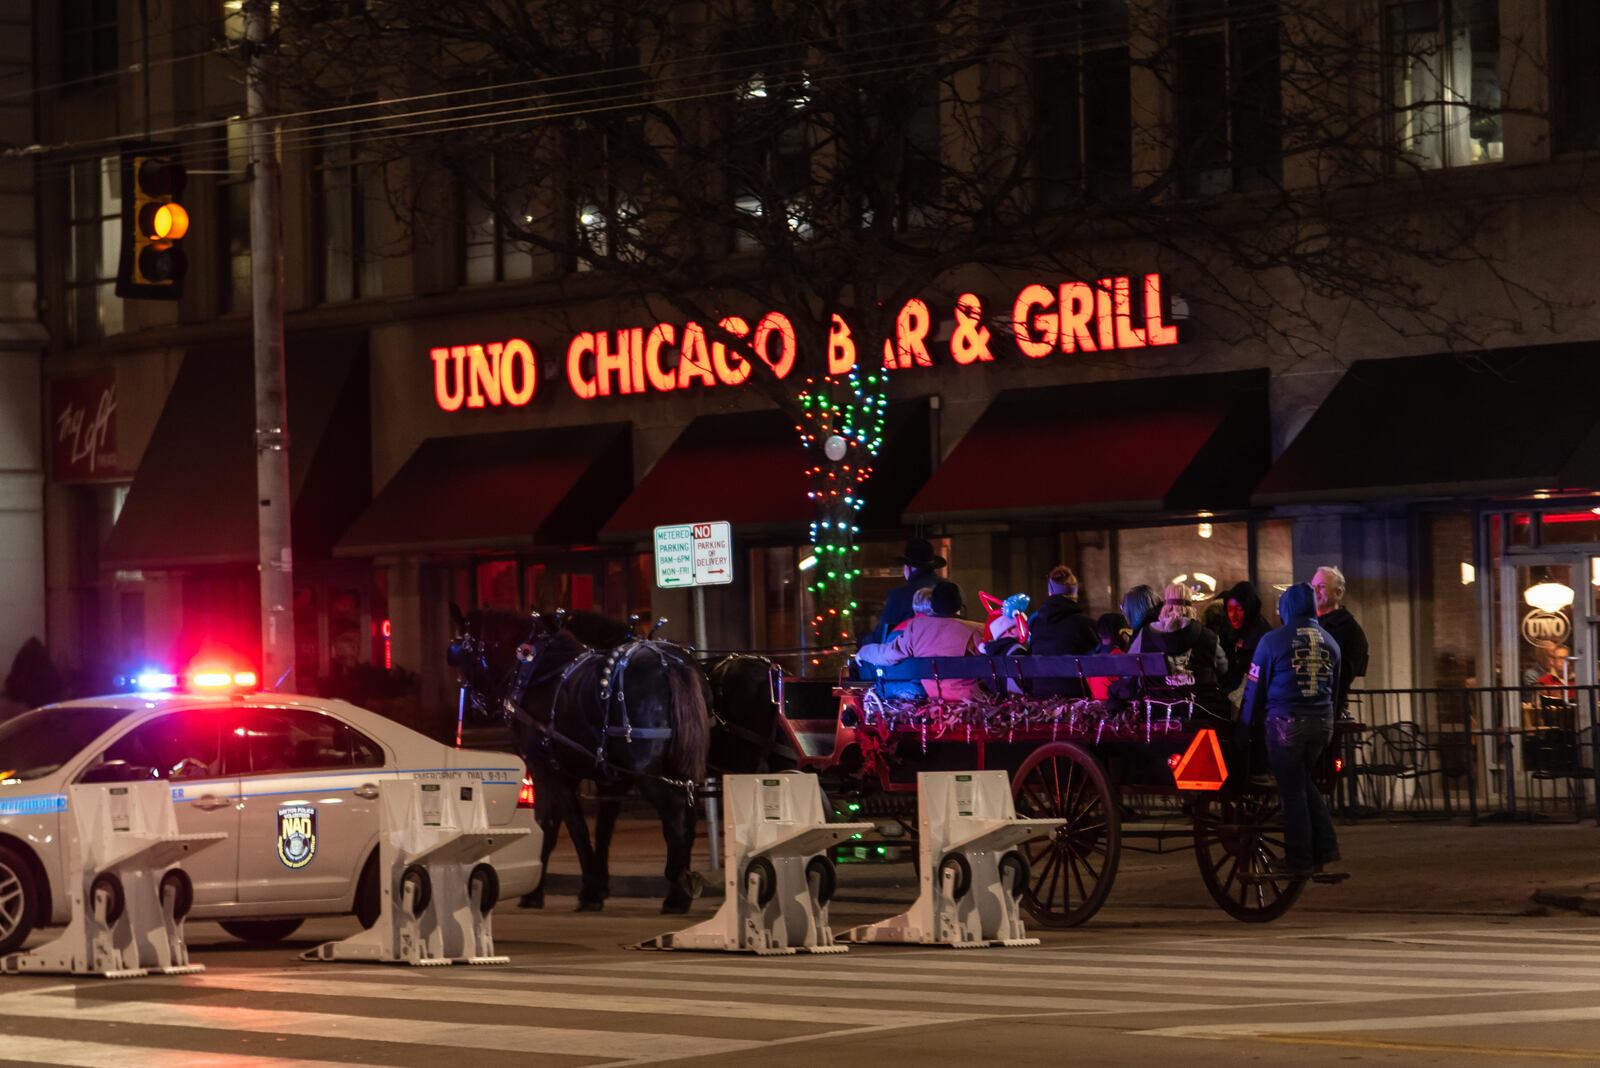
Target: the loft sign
(1111,314)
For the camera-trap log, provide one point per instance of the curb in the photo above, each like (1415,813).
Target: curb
(1582,899)
(655,886)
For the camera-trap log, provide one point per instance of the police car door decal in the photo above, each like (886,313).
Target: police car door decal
(297,835)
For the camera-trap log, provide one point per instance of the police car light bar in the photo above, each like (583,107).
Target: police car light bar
(211,679)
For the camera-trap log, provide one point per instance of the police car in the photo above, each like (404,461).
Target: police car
(292,781)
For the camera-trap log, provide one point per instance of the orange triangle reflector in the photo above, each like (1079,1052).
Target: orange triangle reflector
(1202,766)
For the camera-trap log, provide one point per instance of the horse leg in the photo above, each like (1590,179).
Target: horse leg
(605,824)
(549,818)
(677,827)
(590,898)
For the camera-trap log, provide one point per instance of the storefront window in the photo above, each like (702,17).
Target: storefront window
(1447,601)
(1205,556)
(776,589)
(1275,562)
(497,585)
(880,574)
(1569,528)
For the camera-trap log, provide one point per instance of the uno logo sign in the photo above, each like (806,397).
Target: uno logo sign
(489,375)
(1543,628)
(297,835)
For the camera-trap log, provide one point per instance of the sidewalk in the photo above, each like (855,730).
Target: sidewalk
(1399,867)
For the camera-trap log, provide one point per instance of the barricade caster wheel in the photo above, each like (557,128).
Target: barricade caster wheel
(1014,872)
(963,870)
(177,880)
(766,880)
(416,877)
(483,886)
(108,884)
(826,875)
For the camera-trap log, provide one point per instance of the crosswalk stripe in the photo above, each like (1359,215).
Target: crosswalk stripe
(71,1053)
(1244,985)
(510,1038)
(1358,952)
(1383,1023)
(1238,971)
(529,998)
(1380,965)
(898,996)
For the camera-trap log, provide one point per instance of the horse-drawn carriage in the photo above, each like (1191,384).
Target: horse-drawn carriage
(639,714)
(1135,773)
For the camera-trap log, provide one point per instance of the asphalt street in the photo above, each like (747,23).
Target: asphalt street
(1137,986)
(1434,953)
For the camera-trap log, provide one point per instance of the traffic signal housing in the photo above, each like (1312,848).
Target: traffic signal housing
(154,223)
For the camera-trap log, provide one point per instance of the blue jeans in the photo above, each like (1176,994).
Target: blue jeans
(1294,745)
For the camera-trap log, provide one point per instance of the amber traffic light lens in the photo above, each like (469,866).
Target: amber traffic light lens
(163,222)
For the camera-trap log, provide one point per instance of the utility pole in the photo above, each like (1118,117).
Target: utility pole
(274,558)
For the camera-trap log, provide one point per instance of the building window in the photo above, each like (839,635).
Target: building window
(1575,41)
(1227,97)
(88,40)
(352,202)
(771,156)
(1443,58)
(606,217)
(233,200)
(1082,107)
(492,204)
(93,248)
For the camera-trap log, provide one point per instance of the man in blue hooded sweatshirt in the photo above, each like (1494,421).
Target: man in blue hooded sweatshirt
(1290,688)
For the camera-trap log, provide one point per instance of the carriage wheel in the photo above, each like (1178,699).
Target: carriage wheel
(1070,871)
(1235,838)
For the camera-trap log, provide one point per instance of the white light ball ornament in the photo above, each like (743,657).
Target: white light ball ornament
(835,448)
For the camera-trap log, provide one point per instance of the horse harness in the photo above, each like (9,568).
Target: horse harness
(612,694)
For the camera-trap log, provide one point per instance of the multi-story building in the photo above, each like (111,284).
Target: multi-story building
(428,472)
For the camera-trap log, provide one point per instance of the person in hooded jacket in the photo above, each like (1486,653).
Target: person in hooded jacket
(1290,692)
(1245,630)
(1195,661)
(1061,627)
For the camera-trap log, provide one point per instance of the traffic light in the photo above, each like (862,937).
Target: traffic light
(154,223)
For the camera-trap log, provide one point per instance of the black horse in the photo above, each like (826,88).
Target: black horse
(747,735)
(631,717)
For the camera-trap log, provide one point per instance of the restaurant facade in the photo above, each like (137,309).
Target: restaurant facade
(508,438)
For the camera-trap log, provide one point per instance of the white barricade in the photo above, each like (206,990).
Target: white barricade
(778,878)
(436,892)
(972,875)
(128,899)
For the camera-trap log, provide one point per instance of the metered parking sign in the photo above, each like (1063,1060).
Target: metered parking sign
(694,554)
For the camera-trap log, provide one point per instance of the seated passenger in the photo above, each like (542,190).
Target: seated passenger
(1196,663)
(921,605)
(940,633)
(1114,634)
(1006,632)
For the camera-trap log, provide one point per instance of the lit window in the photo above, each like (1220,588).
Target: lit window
(94,246)
(1444,81)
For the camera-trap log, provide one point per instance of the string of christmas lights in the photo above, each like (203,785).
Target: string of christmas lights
(842,430)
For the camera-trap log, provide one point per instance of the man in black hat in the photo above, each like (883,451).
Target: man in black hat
(921,568)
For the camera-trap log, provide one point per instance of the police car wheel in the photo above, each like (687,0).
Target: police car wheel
(369,895)
(19,900)
(262,930)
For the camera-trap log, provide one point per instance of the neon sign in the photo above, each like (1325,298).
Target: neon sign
(1066,318)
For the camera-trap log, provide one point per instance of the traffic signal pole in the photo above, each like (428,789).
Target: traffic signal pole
(275,559)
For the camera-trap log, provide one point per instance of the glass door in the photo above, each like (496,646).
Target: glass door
(1550,613)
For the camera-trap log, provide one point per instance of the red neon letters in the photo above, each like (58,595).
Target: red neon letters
(484,375)
(1116,313)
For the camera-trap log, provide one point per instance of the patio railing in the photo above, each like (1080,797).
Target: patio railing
(1489,753)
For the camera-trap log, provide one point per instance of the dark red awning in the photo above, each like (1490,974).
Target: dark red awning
(1193,442)
(748,469)
(514,489)
(193,499)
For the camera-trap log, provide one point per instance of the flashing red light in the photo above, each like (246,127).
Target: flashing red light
(1174,760)
(1338,765)
(217,679)
(386,629)
(525,794)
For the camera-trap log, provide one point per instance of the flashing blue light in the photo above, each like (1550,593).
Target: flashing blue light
(154,681)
